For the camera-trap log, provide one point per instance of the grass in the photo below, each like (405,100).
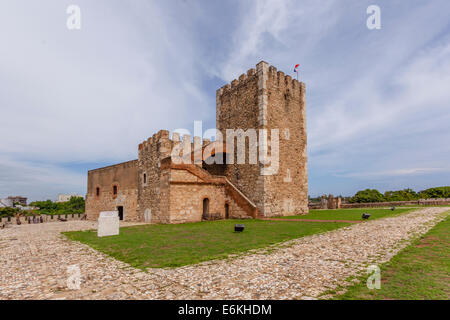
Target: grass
(160,246)
(349,214)
(422,206)
(420,271)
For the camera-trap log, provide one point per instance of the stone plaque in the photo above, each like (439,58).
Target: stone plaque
(108,224)
(108,214)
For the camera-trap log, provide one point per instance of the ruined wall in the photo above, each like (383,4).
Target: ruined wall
(122,175)
(267,99)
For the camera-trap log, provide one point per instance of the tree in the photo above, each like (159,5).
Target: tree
(8,212)
(435,193)
(401,195)
(73,206)
(368,195)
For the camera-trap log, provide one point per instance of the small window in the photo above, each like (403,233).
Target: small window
(114,190)
(145,178)
(97,191)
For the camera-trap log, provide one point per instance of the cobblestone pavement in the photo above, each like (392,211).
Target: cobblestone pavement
(34,261)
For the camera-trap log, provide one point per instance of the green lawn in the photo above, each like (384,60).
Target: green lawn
(420,271)
(349,214)
(422,206)
(173,245)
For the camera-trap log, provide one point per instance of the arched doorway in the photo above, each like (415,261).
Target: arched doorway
(205,207)
(227,211)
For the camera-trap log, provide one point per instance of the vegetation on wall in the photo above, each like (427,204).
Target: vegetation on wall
(8,212)
(73,206)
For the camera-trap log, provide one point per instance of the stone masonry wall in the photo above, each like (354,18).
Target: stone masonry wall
(286,192)
(155,190)
(124,176)
(187,193)
(267,99)
(237,108)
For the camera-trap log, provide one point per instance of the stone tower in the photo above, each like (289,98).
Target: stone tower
(272,104)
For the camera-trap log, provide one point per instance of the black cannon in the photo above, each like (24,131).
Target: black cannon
(365,216)
(239,227)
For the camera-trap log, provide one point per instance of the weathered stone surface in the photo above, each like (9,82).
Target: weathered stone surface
(125,177)
(267,103)
(268,100)
(34,260)
(108,224)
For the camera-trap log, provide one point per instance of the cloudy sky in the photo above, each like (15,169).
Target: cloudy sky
(378,101)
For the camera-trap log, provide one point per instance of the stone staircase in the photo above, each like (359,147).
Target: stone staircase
(231,190)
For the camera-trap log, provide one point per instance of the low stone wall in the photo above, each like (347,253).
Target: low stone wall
(45,218)
(421,202)
(314,206)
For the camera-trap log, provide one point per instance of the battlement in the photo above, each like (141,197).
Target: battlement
(242,80)
(162,143)
(160,136)
(282,80)
(262,70)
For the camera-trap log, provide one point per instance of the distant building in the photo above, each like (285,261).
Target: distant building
(6,203)
(66,197)
(18,199)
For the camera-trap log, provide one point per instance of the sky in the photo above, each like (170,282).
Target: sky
(378,101)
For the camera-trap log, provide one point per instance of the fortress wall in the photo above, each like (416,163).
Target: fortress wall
(286,192)
(186,201)
(265,98)
(122,175)
(237,108)
(154,189)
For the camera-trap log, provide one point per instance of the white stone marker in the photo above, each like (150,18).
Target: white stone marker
(108,224)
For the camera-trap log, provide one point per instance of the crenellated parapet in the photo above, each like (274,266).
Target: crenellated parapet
(243,79)
(161,145)
(262,70)
(284,82)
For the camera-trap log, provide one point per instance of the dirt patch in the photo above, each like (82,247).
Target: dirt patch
(430,241)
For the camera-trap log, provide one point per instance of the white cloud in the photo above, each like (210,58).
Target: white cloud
(94,94)
(38,181)
(279,32)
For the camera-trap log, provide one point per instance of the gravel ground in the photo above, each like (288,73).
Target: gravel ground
(34,261)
